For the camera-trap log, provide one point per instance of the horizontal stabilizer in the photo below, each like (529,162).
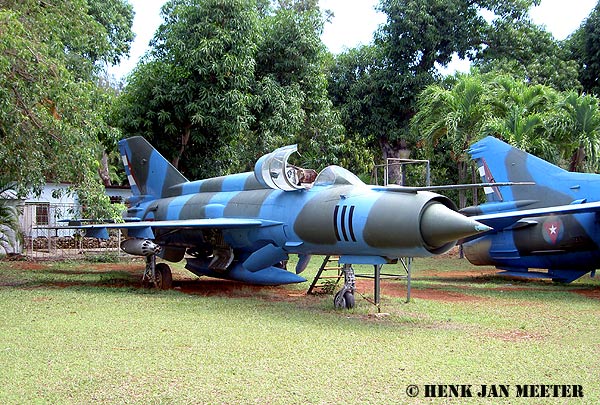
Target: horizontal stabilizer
(502,220)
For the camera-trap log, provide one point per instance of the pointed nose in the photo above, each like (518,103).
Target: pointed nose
(441,225)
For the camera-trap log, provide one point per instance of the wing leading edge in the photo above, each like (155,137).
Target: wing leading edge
(144,229)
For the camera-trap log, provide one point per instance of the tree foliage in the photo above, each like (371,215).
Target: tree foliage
(561,127)
(526,50)
(584,45)
(229,80)
(418,37)
(52,111)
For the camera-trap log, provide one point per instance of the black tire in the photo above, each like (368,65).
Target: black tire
(339,302)
(350,301)
(164,278)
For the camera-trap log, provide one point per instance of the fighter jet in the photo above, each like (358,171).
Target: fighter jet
(551,224)
(244,226)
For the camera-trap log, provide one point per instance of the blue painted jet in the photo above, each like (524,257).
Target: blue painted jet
(243,226)
(552,224)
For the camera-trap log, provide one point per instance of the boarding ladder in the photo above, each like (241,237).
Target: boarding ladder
(328,276)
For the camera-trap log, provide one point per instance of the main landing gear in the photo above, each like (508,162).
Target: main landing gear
(344,298)
(157,275)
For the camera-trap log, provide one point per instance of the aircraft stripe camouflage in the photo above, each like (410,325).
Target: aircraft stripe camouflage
(243,226)
(551,224)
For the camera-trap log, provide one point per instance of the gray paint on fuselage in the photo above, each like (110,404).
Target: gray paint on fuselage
(195,207)
(528,240)
(252,184)
(394,211)
(140,162)
(574,237)
(247,204)
(315,222)
(213,185)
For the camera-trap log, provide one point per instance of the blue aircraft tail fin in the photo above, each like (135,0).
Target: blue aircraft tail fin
(148,172)
(499,162)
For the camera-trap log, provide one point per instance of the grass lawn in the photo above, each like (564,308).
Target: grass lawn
(81,332)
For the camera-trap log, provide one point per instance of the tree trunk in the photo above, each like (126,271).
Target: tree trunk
(395,150)
(474,174)
(577,159)
(103,170)
(185,138)
(462,175)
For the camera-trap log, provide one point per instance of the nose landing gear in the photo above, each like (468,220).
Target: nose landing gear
(344,298)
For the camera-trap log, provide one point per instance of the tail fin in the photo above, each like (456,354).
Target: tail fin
(499,162)
(148,172)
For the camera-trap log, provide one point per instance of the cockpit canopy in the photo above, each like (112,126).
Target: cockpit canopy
(272,170)
(337,175)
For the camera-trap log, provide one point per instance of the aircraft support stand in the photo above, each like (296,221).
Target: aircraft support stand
(406,263)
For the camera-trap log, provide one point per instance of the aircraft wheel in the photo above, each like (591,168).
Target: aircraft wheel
(350,301)
(339,302)
(164,278)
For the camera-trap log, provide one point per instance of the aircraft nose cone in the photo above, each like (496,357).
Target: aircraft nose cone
(441,225)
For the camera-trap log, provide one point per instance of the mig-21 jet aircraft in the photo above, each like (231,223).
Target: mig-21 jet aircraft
(243,226)
(552,224)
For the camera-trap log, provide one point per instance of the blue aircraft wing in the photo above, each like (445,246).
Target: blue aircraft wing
(144,229)
(410,189)
(501,220)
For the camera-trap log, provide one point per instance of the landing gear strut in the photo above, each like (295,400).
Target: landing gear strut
(157,275)
(344,298)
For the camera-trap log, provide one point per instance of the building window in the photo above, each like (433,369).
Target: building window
(42,214)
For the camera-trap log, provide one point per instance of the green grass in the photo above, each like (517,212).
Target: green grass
(84,332)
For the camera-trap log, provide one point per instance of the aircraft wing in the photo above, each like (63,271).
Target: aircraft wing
(144,229)
(502,220)
(408,189)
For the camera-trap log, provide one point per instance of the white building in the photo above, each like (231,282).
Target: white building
(40,215)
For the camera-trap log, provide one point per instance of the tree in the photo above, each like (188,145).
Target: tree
(584,46)
(227,81)
(51,108)
(10,229)
(528,51)
(455,115)
(576,129)
(191,96)
(418,37)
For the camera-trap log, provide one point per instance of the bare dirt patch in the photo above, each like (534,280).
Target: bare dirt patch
(591,293)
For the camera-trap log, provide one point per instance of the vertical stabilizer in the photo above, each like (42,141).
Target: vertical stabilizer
(497,161)
(148,172)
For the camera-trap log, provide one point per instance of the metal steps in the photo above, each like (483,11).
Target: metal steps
(327,277)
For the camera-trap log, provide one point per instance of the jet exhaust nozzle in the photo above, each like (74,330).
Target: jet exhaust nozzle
(140,247)
(441,226)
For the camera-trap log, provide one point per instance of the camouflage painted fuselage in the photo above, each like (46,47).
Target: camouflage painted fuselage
(565,244)
(243,226)
(336,217)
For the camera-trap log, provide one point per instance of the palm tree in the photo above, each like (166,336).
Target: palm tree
(521,114)
(457,114)
(578,131)
(10,230)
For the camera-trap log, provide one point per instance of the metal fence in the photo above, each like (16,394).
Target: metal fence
(44,236)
